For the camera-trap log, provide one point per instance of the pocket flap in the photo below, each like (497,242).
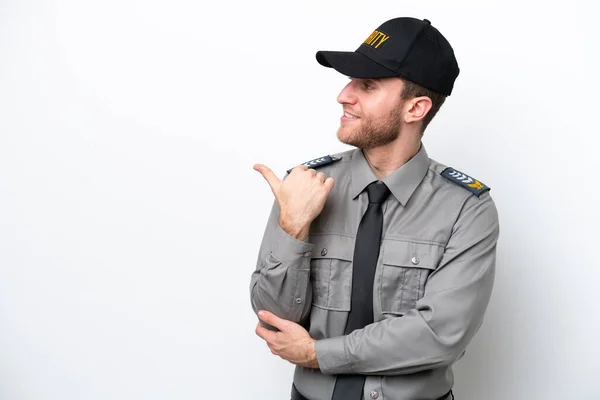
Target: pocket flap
(411,254)
(332,246)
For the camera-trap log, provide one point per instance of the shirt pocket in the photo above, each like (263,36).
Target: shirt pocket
(331,271)
(405,268)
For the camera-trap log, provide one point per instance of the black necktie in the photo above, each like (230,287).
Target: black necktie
(366,252)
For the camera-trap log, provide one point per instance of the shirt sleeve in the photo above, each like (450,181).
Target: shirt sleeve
(281,281)
(436,332)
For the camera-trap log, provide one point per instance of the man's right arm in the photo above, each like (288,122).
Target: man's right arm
(281,281)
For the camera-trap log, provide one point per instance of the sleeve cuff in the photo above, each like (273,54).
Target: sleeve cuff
(288,249)
(332,357)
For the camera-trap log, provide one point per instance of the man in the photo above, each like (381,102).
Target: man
(377,264)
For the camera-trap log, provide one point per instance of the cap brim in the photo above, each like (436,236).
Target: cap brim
(353,64)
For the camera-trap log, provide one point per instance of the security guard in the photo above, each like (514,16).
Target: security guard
(377,264)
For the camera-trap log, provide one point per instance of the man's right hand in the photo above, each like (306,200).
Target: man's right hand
(301,197)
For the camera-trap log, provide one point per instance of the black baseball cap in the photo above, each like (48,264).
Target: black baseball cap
(405,47)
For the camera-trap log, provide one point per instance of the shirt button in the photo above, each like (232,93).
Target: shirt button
(308,254)
(324,252)
(415,260)
(374,394)
(298,300)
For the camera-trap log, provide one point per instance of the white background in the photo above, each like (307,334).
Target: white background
(130,215)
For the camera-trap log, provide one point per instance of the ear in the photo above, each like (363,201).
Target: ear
(416,109)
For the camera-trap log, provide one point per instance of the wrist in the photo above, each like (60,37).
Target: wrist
(296,230)
(312,355)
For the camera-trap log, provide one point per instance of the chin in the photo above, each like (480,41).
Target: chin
(342,137)
(347,139)
(345,135)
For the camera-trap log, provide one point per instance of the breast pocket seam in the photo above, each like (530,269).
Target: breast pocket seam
(403,279)
(338,260)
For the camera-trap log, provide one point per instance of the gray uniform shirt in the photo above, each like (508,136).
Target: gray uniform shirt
(433,281)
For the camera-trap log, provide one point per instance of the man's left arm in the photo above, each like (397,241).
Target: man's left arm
(437,331)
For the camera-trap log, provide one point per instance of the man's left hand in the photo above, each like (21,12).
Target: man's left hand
(292,343)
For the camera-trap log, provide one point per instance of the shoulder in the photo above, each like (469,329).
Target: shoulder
(468,196)
(327,161)
(444,176)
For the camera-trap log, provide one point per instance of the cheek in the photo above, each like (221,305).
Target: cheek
(391,106)
(378,107)
(373,114)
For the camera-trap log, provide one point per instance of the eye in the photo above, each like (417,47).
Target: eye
(368,85)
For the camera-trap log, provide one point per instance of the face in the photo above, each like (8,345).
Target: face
(372,112)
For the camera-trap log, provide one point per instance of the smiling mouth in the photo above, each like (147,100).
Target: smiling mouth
(348,115)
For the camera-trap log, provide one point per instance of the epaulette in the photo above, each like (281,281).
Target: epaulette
(319,162)
(464,180)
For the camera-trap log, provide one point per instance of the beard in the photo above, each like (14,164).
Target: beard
(372,131)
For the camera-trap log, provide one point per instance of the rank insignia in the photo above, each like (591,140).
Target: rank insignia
(319,162)
(464,180)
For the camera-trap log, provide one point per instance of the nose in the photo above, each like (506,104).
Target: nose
(347,95)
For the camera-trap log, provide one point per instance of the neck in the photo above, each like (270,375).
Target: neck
(386,159)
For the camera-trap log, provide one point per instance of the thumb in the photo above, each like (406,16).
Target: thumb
(272,179)
(272,319)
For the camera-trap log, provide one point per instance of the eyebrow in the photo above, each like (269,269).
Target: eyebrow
(367,79)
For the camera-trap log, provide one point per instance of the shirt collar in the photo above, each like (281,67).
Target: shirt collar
(402,182)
